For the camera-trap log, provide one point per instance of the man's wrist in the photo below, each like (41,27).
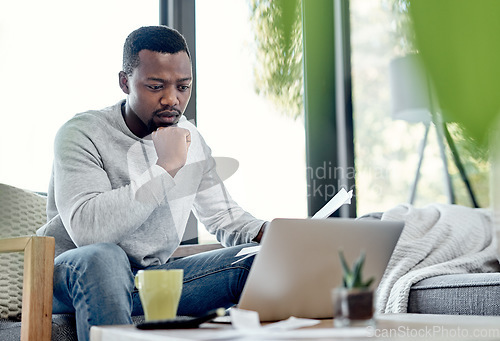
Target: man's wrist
(169,169)
(259,235)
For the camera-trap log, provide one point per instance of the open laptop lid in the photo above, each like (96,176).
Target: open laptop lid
(298,264)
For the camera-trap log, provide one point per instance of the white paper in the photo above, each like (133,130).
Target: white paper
(249,255)
(291,323)
(341,198)
(248,250)
(244,319)
(247,326)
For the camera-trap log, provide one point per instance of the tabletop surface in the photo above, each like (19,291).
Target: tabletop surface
(388,326)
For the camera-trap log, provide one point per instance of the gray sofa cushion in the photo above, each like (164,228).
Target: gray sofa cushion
(9,330)
(465,294)
(63,328)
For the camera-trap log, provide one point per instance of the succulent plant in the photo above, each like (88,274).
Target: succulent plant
(352,279)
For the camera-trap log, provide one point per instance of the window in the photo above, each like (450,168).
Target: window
(239,123)
(57,58)
(386,150)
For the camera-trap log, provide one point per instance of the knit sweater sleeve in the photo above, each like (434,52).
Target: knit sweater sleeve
(220,214)
(90,209)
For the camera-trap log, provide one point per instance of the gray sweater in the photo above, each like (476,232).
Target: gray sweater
(106,187)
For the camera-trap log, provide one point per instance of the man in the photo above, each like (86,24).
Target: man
(124,182)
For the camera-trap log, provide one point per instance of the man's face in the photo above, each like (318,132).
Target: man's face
(158,91)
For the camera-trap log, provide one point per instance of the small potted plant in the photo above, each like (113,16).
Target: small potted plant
(354,300)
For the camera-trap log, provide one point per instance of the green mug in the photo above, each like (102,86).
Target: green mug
(160,292)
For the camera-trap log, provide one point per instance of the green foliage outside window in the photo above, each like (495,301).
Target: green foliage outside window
(473,153)
(278,71)
(277,28)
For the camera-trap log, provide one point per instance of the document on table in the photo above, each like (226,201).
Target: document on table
(245,325)
(341,198)
(210,332)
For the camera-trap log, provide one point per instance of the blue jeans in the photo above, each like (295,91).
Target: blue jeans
(96,283)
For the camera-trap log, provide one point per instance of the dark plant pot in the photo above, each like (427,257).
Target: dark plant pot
(360,305)
(353,307)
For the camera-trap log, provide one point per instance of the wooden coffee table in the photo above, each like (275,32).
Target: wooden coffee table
(389,326)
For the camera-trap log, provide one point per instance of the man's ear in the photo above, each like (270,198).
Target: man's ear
(123,81)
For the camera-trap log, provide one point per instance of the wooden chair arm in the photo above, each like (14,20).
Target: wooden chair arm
(192,249)
(36,319)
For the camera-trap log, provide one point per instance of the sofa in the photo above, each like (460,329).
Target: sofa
(22,212)
(466,294)
(455,294)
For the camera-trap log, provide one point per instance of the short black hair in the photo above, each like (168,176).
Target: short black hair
(161,39)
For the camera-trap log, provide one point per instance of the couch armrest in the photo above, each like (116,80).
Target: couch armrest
(36,320)
(189,250)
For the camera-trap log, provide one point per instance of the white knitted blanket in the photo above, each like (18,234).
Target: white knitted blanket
(437,239)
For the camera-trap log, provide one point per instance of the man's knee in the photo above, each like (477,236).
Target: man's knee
(96,282)
(102,256)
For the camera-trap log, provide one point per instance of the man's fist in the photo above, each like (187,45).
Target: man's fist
(171,144)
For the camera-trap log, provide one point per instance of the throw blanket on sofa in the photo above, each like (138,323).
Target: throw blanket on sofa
(438,239)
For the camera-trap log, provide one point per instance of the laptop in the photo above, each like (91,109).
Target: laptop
(298,264)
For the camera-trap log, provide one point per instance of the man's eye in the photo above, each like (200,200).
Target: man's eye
(155,87)
(184,87)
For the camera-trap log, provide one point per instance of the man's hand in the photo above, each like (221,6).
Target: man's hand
(258,237)
(171,144)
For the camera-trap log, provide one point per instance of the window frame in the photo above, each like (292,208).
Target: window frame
(328,112)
